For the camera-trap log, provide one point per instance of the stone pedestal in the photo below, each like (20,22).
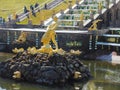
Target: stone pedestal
(99,11)
(30,24)
(91,16)
(41,24)
(81,25)
(62,12)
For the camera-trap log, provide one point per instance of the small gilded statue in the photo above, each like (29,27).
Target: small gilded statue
(22,37)
(82,16)
(94,25)
(16,50)
(100,6)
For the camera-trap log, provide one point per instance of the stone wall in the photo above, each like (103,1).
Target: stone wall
(112,16)
(66,41)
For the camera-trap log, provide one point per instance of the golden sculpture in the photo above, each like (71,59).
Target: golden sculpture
(82,16)
(22,37)
(77,52)
(94,25)
(18,50)
(32,50)
(91,10)
(61,51)
(100,6)
(17,75)
(77,75)
(49,36)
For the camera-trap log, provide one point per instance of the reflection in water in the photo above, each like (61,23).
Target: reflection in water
(4,56)
(89,86)
(16,86)
(111,76)
(106,77)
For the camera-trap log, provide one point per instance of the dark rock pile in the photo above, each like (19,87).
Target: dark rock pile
(39,68)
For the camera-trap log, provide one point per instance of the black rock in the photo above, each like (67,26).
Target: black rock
(40,68)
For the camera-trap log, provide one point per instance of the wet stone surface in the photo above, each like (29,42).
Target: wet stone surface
(41,69)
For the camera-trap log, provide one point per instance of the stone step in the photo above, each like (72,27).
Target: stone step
(85,9)
(88,6)
(43,30)
(76,15)
(69,20)
(108,44)
(110,35)
(67,26)
(114,29)
(78,8)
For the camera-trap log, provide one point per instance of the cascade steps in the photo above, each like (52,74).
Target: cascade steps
(111,38)
(71,18)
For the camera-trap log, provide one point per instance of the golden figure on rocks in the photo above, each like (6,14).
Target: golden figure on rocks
(16,50)
(17,75)
(49,36)
(94,25)
(32,50)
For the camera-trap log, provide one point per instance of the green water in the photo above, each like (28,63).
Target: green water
(106,77)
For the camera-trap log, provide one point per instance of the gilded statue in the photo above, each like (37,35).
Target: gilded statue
(32,50)
(16,50)
(94,25)
(91,10)
(22,37)
(17,75)
(49,36)
(82,16)
(100,6)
